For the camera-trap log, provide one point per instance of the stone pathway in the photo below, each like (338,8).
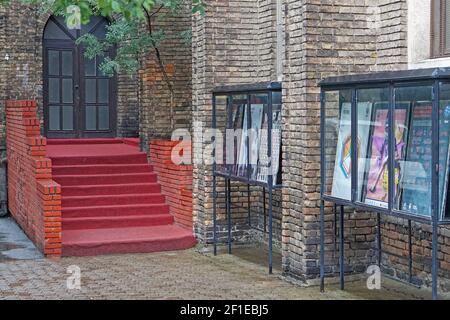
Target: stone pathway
(189,274)
(170,275)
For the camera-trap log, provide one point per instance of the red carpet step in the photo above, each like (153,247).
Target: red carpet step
(130,240)
(92,190)
(111,199)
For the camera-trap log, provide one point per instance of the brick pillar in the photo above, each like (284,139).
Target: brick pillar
(322,40)
(233,43)
(175,180)
(34,198)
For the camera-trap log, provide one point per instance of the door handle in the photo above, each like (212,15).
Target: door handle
(77,87)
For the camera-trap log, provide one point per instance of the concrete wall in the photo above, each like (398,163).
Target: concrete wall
(419,36)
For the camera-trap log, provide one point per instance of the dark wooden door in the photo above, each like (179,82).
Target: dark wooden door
(79,101)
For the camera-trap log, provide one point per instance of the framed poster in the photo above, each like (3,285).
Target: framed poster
(237,122)
(444,157)
(276,147)
(263,159)
(415,183)
(257,112)
(233,122)
(342,178)
(263,169)
(377,178)
(241,165)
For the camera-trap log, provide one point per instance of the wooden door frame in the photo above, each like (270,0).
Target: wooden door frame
(78,91)
(113,97)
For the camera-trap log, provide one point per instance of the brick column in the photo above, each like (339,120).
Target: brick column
(175,180)
(324,38)
(234,43)
(34,198)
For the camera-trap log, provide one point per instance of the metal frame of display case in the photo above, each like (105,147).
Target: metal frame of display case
(391,80)
(270,186)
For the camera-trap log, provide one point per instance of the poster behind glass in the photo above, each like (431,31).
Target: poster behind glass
(444,150)
(416,170)
(238,118)
(342,182)
(221,105)
(266,167)
(377,178)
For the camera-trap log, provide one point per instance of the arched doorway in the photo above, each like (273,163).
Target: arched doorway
(79,101)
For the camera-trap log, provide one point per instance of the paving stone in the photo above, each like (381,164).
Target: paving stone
(180,275)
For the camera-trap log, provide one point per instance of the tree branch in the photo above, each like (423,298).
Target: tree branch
(157,52)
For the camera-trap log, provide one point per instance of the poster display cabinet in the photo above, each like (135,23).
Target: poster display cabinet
(385,148)
(247,148)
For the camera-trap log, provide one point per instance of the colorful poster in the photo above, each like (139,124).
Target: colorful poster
(342,178)
(376,191)
(415,181)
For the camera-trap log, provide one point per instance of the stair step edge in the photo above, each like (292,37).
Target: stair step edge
(125,195)
(158,215)
(167,237)
(120,206)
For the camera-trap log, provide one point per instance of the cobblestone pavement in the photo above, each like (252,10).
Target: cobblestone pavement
(171,275)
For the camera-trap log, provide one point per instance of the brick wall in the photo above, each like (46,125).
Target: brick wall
(392,44)
(21,33)
(162,110)
(323,39)
(3,84)
(21,29)
(34,198)
(335,38)
(175,180)
(234,43)
(128,106)
(3,67)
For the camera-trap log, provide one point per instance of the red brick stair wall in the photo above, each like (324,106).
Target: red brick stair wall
(175,180)
(34,198)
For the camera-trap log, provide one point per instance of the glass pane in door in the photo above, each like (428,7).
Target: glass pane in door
(54,119)
(97,97)
(67,115)
(91,118)
(60,90)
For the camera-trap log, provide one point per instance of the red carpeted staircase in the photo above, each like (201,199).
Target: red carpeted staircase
(111,199)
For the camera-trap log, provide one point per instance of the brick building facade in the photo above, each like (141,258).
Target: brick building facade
(320,39)
(297,42)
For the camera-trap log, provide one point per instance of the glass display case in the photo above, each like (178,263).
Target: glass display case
(247,148)
(398,151)
(385,147)
(251,148)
